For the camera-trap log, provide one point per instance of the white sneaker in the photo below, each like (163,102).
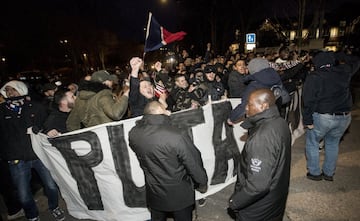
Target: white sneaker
(58,214)
(34,219)
(19,214)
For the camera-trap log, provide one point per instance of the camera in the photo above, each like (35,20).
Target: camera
(195,83)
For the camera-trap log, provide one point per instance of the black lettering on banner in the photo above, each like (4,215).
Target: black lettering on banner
(81,166)
(185,120)
(133,196)
(224,149)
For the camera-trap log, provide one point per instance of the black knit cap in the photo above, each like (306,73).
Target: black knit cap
(210,68)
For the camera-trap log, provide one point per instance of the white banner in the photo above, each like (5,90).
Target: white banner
(99,175)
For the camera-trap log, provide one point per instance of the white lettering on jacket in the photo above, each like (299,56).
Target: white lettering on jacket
(255,165)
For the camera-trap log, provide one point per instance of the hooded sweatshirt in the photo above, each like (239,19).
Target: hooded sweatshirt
(326,90)
(17,114)
(261,76)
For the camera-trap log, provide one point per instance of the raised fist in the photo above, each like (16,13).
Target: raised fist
(136,63)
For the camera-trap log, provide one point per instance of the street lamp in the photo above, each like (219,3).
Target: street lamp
(86,61)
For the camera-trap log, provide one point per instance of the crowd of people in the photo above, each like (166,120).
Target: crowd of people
(103,97)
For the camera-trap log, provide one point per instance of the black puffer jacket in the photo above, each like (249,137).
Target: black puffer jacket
(263,177)
(15,142)
(171,163)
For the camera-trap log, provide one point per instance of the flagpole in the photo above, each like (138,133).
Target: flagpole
(147,34)
(148,26)
(143,58)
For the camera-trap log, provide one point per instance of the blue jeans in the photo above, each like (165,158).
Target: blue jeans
(330,128)
(21,177)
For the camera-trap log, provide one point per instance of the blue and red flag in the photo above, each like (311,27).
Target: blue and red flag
(157,36)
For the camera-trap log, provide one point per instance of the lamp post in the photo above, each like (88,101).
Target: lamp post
(3,67)
(69,47)
(64,44)
(86,62)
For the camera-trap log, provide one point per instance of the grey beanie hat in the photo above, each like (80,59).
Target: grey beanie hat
(257,64)
(103,75)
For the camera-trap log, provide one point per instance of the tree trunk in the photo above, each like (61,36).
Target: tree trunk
(302,6)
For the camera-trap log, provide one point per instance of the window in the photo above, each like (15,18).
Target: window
(334,32)
(292,35)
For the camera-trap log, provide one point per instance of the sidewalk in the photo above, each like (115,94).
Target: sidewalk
(308,200)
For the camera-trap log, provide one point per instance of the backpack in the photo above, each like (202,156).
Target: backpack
(280,91)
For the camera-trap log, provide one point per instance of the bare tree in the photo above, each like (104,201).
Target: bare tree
(302,9)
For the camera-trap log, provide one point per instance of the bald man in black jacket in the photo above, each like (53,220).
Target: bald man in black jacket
(263,175)
(171,163)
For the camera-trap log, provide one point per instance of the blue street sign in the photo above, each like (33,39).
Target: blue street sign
(251,38)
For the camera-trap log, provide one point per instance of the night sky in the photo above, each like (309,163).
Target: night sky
(126,18)
(33,28)
(129,17)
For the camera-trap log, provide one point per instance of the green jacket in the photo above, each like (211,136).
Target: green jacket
(77,114)
(104,108)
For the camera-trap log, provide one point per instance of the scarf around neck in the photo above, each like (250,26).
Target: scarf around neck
(16,103)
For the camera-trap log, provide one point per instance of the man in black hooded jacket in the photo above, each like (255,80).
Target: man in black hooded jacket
(327,110)
(18,114)
(263,175)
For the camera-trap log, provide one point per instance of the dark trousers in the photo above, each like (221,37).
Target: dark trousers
(7,189)
(179,215)
(21,176)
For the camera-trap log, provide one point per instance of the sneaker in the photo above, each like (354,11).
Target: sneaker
(202,202)
(19,214)
(35,219)
(314,177)
(58,214)
(327,178)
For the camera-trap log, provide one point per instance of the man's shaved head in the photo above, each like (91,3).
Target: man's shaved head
(259,100)
(264,95)
(155,107)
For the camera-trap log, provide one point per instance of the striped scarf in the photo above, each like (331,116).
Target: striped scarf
(15,104)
